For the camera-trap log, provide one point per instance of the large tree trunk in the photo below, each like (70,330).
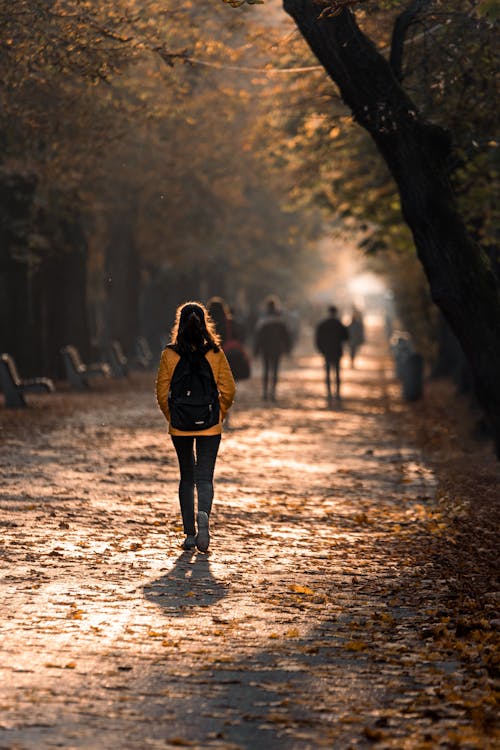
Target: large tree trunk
(59,291)
(418,154)
(42,298)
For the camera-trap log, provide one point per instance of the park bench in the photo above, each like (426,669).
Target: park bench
(143,354)
(118,360)
(14,387)
(77,372)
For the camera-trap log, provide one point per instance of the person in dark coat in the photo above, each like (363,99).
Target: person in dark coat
(356,330)
(272,340)
(330,335)
(220,313)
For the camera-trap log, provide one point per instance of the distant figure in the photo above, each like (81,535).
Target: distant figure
(220,314)
(329,336)
(195,390)
(231,334)
(272,340)
(388,324)
(238,326)
(356,330)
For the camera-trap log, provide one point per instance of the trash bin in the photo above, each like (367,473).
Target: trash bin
(412,377)
(401,350)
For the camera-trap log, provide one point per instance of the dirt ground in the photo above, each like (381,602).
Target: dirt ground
(335,609)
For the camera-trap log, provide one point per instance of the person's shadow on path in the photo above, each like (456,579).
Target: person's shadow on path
(189,585)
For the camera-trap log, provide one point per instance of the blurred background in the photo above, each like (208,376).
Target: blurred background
(157,152)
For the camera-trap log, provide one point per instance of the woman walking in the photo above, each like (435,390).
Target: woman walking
(271,341)
(195,389)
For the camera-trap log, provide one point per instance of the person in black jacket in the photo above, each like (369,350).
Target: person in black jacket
(272,340)
(356,329)
(330,335)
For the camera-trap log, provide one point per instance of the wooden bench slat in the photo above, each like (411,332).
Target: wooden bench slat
(14,387)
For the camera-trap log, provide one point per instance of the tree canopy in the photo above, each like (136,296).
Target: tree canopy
(93,105)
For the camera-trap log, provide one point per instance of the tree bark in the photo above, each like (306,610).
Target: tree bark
(401,26)
(418,154)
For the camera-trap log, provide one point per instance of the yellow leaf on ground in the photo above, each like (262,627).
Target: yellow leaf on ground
(297,589)
(356,646)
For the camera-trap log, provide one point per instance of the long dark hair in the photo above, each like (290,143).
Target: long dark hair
(193,330)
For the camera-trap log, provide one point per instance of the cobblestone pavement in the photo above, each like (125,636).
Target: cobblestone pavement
(300,629)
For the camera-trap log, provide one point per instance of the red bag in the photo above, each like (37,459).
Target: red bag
(238,359)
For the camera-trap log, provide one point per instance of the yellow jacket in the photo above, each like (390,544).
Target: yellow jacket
(222,376)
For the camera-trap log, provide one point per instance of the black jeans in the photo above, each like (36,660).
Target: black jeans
(271,364)
(328,365)
(196,470)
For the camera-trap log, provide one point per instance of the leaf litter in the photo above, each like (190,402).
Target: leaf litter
(352,604)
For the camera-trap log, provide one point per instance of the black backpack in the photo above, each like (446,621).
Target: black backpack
(193,399)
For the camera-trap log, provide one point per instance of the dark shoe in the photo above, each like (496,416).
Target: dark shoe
(189,542)
(203,535)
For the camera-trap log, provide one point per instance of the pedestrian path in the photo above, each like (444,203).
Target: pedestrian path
(302,628)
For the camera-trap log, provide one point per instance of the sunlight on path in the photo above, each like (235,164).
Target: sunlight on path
(298,630)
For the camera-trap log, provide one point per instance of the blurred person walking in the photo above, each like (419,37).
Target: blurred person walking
(220,313)
(231,336)
(195,389)
(271,341)
(356,329)
(330,335)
